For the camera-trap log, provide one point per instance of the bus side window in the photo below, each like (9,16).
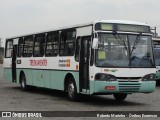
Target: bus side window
(28,46)
(9,48)
(20,47)
(39,43)
(67,42)
(52,41)
(77,49)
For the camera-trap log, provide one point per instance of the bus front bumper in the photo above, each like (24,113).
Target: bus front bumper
(124,87)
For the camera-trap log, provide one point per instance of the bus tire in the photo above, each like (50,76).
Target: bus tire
(23,82)
(120,96)
(72,90)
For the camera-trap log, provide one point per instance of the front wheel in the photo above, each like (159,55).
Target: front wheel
(120,96)
(72,90)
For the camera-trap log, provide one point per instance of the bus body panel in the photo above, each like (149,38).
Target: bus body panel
(85,31)
(50,73)
(8,74)
(38,78)
(47,79)
(128,72)
(124,74)
(48,63)
(95,86)
(125,87)
(121,72)
(7,69)
(53,79)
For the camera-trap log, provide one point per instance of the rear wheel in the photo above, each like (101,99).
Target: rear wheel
(72,90)
(23,83)
(120,96)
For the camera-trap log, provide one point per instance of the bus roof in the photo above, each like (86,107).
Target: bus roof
(82,25)
(122,22)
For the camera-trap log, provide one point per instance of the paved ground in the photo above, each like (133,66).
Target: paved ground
(12,98)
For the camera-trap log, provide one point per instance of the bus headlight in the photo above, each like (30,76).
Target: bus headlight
(149,77)
(105,77)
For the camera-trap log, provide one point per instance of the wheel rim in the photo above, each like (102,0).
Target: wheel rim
(71,89)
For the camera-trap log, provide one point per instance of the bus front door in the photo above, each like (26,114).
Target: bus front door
(84,64)
(14,59)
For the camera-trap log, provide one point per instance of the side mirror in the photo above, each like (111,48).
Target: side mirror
(95,43)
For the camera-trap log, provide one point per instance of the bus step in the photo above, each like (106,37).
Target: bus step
(85,91)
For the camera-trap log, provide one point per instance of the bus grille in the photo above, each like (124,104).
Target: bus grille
(132,87)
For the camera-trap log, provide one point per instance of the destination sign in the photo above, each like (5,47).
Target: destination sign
(122,27)
(133,28)
(107,26)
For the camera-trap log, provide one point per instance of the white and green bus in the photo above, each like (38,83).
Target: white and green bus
(156,49)
(103,57)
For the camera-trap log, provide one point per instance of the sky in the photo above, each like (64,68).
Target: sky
(19,17)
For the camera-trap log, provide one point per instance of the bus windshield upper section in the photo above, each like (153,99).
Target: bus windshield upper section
(124,50)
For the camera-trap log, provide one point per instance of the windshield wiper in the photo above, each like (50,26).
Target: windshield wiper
(136,43)
(120,40)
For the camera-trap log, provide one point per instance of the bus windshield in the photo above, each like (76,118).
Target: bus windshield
(124,50)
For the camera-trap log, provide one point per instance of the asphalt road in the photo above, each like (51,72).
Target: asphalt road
(12,98)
